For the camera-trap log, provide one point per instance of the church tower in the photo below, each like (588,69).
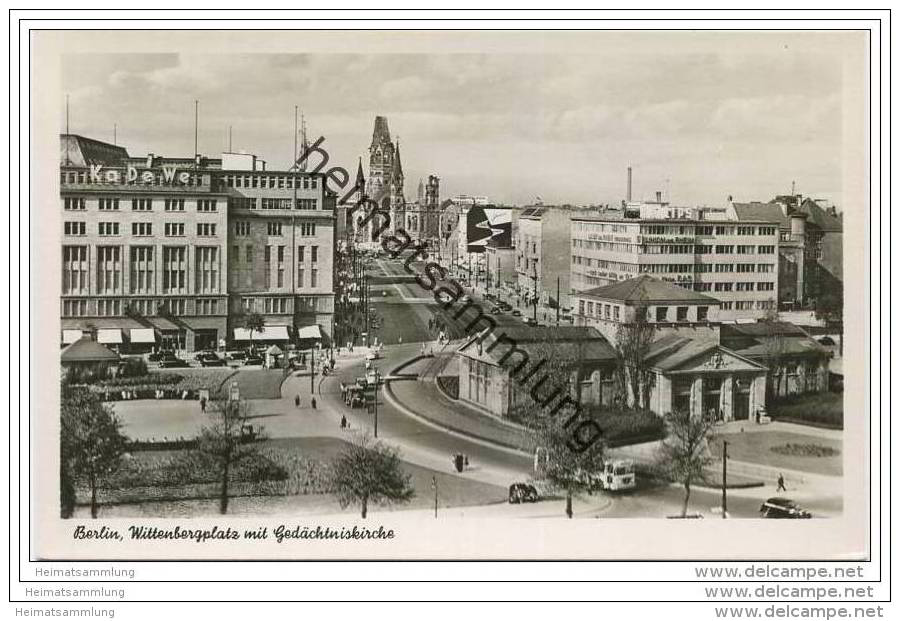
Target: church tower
(381,158)
(398,200)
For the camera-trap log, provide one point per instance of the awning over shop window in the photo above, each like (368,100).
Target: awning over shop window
(269,333)
(70,336)
(143,335)
(109,336)
(309,332)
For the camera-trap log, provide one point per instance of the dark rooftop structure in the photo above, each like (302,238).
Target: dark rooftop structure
(75,150)
(646,289)
(583,342)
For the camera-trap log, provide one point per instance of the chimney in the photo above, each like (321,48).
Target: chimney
(659,197)
(150,160)
(628,193)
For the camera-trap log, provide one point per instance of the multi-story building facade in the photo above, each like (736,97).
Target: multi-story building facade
(734,262)
(171,252)
(542,253)
(810,246)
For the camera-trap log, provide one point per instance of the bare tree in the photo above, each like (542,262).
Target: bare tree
(226,442)
(369,471)
(633,340)
(685,453)
(91,445)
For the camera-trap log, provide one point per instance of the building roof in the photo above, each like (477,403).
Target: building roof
(783,346)
(77,150)
(645,289)
(828,222)
(581,342)
(763,328)
(673,351)
(86,350)
(775,211)
(770,212)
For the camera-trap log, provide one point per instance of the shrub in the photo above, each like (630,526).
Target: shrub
(805,450)
(449,384)
(622,426)
(133,367)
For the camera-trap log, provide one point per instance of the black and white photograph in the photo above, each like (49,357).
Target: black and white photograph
(531,282)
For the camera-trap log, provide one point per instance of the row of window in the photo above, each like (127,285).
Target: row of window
(71,203)
(269,181)
(676,268)
(113,307)
(140,229)
(142,269)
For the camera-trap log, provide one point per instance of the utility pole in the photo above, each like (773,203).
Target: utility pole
(557,300)
(312,370)
(434,487)
(196,127)
(534,300)
(375,400)
(724,478)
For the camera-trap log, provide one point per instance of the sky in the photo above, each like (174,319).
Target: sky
(698,127)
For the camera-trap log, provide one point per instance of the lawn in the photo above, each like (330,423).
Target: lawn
(824,409)
(756,447)
(291,478)
(258,383)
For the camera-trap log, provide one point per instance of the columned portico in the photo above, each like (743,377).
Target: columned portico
(714,382)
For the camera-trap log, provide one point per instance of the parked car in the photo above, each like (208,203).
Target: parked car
(211,360)
(236,356)
(496,310)
(522,492)
(159,355)
(506,306)
(530,321)
(173,362)
(253,360)
(517,313)
(204,352)
(783,508)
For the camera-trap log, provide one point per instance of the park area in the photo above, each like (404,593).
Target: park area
(784,449)
(289,475)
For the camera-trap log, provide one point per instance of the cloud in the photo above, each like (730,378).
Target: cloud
(506,125)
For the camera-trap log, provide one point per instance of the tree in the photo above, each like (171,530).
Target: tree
(565,464)
(774,348)
(223,443)
(254,322)
(684,453)
(370,471)
(633,340)
(830,309)
(91,445)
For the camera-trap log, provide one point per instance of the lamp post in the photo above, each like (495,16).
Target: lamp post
(724,478)
(534,300)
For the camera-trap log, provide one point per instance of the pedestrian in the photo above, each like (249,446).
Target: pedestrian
(781,487)
(343,422)
(202,404)
(399,340)
(313,403)
(297,401)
